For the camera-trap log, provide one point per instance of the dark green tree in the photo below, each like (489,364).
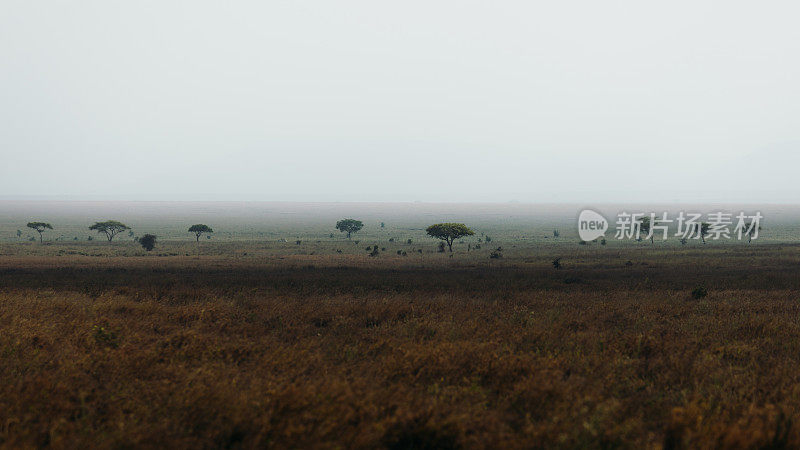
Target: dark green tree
(40,227)
(199,229)
(148,242)
(110,227)
(449,232)
(349,226)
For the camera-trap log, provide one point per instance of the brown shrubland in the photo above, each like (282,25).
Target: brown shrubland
(358,352)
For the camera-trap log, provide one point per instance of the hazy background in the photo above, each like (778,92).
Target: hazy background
(575,101)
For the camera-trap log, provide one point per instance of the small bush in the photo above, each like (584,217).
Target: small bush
(699,292)
(557,263)
(148,242)
(496,255)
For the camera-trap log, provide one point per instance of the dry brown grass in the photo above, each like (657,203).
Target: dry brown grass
(184,352)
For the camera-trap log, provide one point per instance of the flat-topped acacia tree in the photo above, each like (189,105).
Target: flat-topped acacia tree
(199,229)
(449,232)
(40,227)
(110,227)
(349,226)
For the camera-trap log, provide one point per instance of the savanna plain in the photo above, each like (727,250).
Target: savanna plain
(276,331)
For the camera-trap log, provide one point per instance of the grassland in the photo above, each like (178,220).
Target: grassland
(274,349)
(255,342)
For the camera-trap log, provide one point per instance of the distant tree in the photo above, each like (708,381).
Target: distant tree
(383,225)
(557,263)
(556,233)
(40,227)
(148,242)
(701,229)
(19,234)
(449,232)
(750,232)
(199,229)
(349,226)
(110,227)
(644,227)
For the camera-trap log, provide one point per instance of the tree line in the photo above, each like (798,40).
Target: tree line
(111,228)
(447,232)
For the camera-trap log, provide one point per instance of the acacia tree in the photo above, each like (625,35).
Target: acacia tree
(40,227)
(449,232)
(349,226)
(110,227)
(199,229)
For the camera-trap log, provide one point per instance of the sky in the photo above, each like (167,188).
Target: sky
(365,100)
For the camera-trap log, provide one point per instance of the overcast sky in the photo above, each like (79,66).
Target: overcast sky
(574,101)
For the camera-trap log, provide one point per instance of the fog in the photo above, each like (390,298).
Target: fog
(405,101)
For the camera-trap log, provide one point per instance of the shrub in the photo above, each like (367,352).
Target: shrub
(699,292)
(557,263)
(496,255)
(148,242)
(408,241)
